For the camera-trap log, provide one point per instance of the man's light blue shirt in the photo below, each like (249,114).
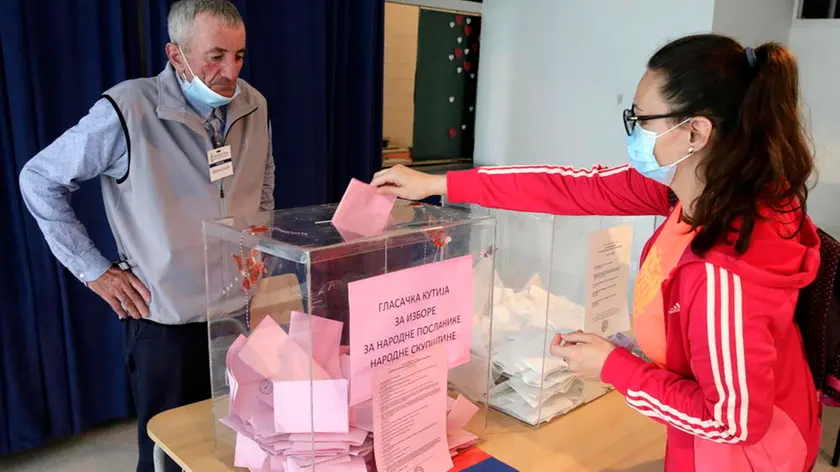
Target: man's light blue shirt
(93,147)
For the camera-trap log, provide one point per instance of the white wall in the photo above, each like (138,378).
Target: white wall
(753,22)
(814,43)
(756,21)
(555,75)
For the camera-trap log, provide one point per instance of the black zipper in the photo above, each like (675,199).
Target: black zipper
(222,205)
(224,141)
(224,138)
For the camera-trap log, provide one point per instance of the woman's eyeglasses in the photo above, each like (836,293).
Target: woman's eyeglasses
(631,118)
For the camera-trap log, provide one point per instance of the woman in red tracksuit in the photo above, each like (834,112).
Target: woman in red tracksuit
(718,124)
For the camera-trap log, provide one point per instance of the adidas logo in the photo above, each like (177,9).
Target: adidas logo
(674,309)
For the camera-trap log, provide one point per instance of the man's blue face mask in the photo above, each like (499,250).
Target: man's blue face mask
(640,145)
(197,90)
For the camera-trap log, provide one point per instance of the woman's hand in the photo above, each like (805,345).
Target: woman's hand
(408,183)
(585,353)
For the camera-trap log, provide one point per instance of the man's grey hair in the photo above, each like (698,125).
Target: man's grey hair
(182,17)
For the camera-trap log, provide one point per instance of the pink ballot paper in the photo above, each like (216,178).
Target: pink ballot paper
(326,338)
(461,413)
(363,211)
(248,453)
(396,315)
(409,413)
(284,386)
(276,356)
(293,412)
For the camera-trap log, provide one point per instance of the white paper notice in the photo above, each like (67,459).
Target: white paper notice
(609,275)
(220,161)
(409,413)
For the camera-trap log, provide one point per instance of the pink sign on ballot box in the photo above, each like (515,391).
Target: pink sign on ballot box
(362,211)
(396,315)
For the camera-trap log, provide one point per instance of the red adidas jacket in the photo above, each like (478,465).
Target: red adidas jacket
(737,394)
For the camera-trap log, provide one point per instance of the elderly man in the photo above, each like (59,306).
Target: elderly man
(193,143)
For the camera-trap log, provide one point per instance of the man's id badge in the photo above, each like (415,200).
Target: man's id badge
(221,163)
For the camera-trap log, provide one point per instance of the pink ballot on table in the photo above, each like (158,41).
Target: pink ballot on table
(245,401)
(248,453)
(362,210)
(275,439)
(234,423)
(271,465)
(263,422)
(460,414)
(356,437)
(327,412)
(355,464)
(306,463)
(281,447)
(309,461)
(336,447)
(460,439)
(362,450)
(276,465)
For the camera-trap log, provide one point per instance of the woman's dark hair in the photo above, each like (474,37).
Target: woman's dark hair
(759,155)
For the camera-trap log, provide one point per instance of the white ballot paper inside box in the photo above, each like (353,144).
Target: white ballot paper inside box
(530,383)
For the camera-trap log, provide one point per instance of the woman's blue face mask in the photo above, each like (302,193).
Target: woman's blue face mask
(640,145)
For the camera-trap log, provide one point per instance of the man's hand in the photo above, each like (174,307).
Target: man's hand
(585,353)
(124,292)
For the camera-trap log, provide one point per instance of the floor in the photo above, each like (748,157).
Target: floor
(113,449)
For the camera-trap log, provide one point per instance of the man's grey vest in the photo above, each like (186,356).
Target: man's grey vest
(156,210)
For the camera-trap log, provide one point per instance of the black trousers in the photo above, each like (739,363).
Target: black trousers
(168,366)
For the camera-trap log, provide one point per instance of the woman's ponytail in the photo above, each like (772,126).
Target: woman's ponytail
(759,157)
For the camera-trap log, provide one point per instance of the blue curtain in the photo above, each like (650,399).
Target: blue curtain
(59,346)
(319,64)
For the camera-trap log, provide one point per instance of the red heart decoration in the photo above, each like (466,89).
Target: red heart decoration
(452,133)
(467,65)
(459,52)
(475,47)
(459,19)
(468,30)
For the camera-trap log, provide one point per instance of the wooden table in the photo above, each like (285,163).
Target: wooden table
(605,435)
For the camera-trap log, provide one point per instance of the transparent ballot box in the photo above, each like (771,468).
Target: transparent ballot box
(308,325)
(556,275)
